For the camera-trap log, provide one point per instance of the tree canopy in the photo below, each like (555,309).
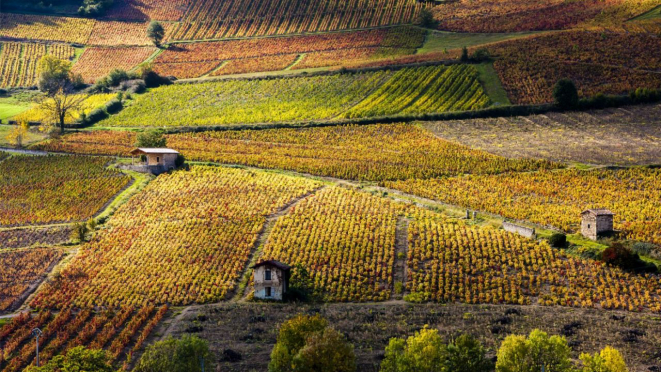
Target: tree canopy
(77,359)
(187,354)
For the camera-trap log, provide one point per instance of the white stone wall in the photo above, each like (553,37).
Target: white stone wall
(521,230)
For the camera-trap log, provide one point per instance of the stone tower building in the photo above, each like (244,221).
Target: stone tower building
(596,222)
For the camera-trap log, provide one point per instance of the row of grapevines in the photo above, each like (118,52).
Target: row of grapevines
(18,61)
(598,62)
(369,152)
(345,239)
(186,60)
(46,28)
(47,189)
(22,268)
(71,327)
(449,261)
(97,62)
(215,19)
(115,33)
(248,101)
(557,198)
(185,239)
(423,90)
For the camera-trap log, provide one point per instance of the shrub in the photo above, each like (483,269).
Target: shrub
(426,19)
(565,94)
(481,55)
(292,338)
(78,359)
(325,351)
(466,354)
(558,240)
(608,360)
(424,351)
(520,354)
(114,106)
(619,255)
(153,138)
(187,354)
(79,232)
(94,8)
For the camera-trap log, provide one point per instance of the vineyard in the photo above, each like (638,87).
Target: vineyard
(48,189)
(425,90)
(525,15)
(365,94)
(185,239)
(186,60)
(32,236)
(216,19)
(370,152)
(247,101)
(345,239)
(21,269)
(113,33)
(90,103)
(449,261)
(145,10)
(18,61)
(121,331)
(45,28)
(557,198)
(598,62)
(621,136)
(97,62)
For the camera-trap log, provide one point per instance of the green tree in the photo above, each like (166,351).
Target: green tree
(520,354)
(151,139)
(187,354)
(608,360)
(466,354)
(77,359)
(422,352)
(464,55)
(426,18)
(325,351)
(155,33)
(292,338)
(565,94)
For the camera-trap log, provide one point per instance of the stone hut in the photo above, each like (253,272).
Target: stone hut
(158,160)
(271,279)
(596,222)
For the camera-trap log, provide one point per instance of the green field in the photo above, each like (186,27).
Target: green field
(367,94)
(10,107)
(652,14)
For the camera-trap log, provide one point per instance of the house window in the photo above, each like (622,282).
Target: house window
(588,226)
(267,274)
(268,291)
(158,160)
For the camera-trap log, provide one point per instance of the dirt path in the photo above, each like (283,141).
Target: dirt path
(401,249)
(239,293)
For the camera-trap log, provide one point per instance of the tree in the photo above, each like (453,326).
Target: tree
(17,135)
(79,232)
(464,55)
(155,33)
(426,18)
(558,240)
(608,360)
(300,287)
(520,354)
(466,354)
(292,338)
(77,359)
(187,354)
(424,351)
(325,351)
(153,138)
(55,80)
(565,94)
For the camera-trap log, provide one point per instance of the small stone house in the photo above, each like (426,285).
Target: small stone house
(596,222)
(271,279)
(158,160)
